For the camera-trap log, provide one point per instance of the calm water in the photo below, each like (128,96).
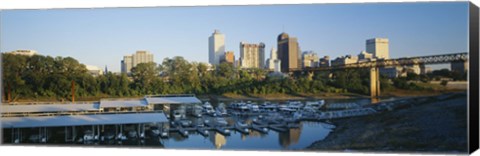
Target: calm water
(299,138)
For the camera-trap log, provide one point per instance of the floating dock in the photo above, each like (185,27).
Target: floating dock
(241,129)
(222,130)
(203,131)
(263,130)
(278,129)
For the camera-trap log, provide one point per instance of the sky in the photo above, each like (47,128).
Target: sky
(102,36)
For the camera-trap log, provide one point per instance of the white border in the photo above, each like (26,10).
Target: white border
(120,151)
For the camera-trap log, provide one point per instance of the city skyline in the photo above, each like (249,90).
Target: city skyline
(327,29)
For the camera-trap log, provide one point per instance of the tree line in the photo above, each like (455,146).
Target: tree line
(45,76)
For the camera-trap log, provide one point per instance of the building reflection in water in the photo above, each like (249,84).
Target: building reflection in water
(217,139)
(289,137)
(253,134)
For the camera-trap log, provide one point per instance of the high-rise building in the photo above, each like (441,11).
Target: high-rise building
(343,60)
(378,47)
(94,70)
(309,59)
(23,52)
(229,57)
(216,47)
(288,52)
(393,72)
(133,60)
(413,69)
(252,55)
(324,62)
(272,60)
(365,56)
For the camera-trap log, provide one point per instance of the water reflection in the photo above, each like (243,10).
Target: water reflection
(291,136)
(297,138)
(217,139)
(374,100)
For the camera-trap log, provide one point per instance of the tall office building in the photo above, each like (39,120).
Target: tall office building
(272,60)
(288,52)
(324,62)
(343,60)
(309,59)
(133,60)
(252,55)
(365,56)
(378,47)
(216,47)
(94,70)
(229,57)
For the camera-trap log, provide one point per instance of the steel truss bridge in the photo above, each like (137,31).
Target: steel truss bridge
(404,61)
(385,63)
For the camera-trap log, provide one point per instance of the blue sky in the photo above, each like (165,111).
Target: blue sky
(103,36)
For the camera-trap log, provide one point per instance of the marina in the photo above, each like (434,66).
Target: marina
(159,120)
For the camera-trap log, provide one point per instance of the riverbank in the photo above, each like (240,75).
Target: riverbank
(304,96)
(435,126)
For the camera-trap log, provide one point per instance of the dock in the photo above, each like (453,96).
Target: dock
(263,130)
(240,129)
(223,131)
(180,130)
(276,128)
(203,131)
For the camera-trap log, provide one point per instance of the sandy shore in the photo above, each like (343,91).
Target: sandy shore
(435,126)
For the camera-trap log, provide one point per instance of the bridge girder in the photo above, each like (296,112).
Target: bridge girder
(420,60)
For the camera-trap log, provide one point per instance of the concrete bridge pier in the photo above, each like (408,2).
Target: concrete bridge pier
(374,82)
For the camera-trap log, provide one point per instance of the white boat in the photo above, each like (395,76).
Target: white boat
(120,136)
(154,131)
(267,107)
(108,135)
(196,111)
(253,107)
(221,121)
(220,110)
(315,104)
(184,123)
(199,123)
(242,107)
(242,126)
(295,105)
(132,134)
(179,113)
(88,136)
(207,108)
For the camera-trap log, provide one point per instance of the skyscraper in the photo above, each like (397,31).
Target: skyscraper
(133,60)
(229,57)
(273,58)
(309,59)
(216,47)
(324,62)
(288,52)
(378,47)
(252,55)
